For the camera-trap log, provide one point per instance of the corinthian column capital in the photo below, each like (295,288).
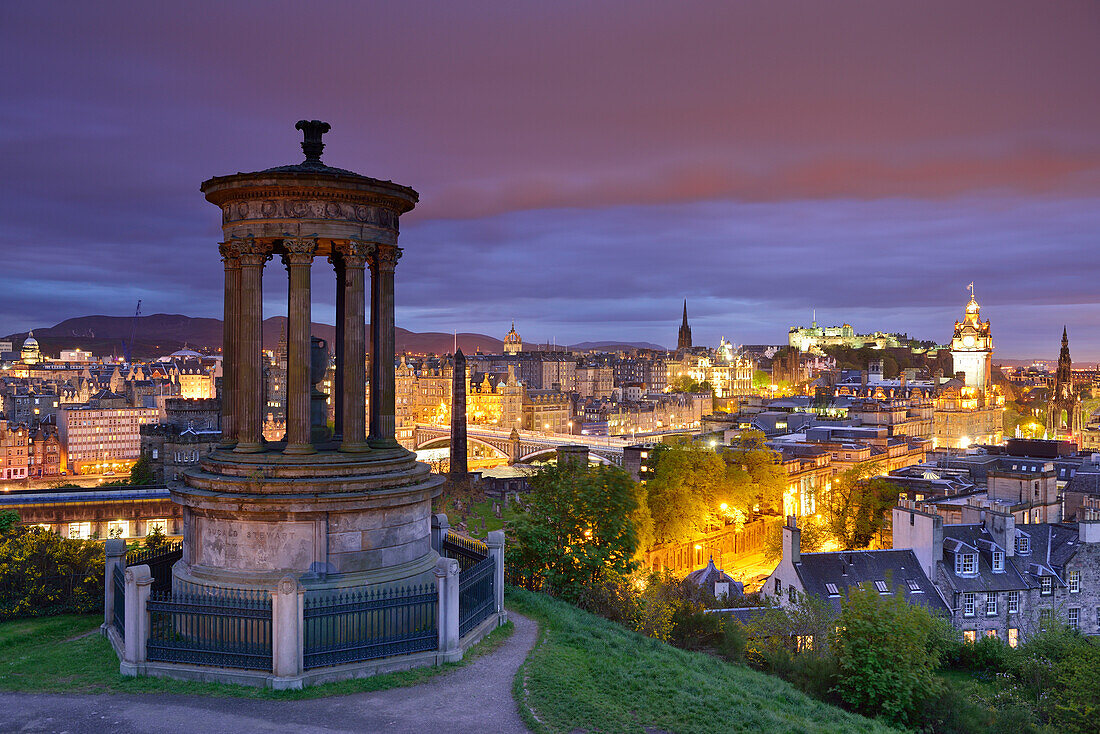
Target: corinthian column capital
(251,251)
(386,257)
(229,254)
(299,250)
(355,252)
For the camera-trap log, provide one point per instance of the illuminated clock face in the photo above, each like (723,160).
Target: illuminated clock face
(968,341)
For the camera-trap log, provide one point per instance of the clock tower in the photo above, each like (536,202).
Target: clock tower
(972,348)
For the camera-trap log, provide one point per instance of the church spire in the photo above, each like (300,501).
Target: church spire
(683,339)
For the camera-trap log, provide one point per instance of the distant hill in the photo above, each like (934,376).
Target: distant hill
(161,334)
(614,346)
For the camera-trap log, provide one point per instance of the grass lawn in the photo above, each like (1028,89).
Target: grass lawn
(69,655)
(589,674)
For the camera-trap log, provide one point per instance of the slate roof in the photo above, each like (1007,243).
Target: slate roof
(707,577)
(976,539)
(847,569)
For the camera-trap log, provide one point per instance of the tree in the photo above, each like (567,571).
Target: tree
(886,654)
(581,524)
(155,539)
(753,476)
(813,534)
(857,506)
(141,473)
(685,492)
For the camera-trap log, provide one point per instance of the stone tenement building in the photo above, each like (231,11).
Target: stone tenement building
(1001,579)
(189,431)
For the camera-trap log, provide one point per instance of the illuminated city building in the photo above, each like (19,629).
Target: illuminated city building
(969,409)
(513,344)
(104,435)
(31,352)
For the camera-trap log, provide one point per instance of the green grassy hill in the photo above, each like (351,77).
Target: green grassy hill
(591,675)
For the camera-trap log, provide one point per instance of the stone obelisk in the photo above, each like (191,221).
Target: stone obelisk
(459,465)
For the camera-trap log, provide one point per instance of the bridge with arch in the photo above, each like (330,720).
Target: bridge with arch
(522,446)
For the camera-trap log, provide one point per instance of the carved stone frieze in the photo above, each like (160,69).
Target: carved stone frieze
(308,207)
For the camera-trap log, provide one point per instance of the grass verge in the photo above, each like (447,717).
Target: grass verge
(588,674)
(68,655)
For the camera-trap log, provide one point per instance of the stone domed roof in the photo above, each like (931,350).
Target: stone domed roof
(706,578)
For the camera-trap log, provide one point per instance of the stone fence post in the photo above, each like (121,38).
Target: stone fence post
(440,527)
(115,549)
(139,582)
(495,541)
(446,578)
(287,633)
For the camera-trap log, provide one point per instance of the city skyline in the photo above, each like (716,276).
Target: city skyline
(879,163)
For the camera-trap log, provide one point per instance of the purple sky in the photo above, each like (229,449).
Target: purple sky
(582,166)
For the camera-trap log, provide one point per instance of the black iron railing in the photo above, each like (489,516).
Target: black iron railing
(467,551)
(228,628)
(364,625)
(160,561)
(476,600)
(118,580)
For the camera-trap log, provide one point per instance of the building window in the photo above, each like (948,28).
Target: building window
(1045,615)
(998,561)
(80,530)
(968,604)
(914,585)
(991,633)
(118,529)
(1046,585)
(990,604)
(1013,637)
(1023,545)
(1013,602)
(804,643)
(966,564)
(1074,617)
(160,524)
(881,586)
(790,594)
(1074,582)
(970,636)
(831,588)
(778,587)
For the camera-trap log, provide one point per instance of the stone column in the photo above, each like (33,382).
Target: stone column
(287,634)
(338,408)
(298,257)
(446,579)
(139,581)
(115,549)
(495,541)
(354,254)
(230,335)
(382,398)
(250,372)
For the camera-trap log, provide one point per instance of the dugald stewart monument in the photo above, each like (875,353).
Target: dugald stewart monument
(315,557)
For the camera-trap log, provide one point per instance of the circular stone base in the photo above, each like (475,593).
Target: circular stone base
(330,520)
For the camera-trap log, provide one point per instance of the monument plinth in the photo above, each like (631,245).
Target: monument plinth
(333,510)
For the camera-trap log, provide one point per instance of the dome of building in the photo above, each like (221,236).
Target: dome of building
(31,352)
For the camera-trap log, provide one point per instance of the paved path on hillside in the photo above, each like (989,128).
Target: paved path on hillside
(474,698)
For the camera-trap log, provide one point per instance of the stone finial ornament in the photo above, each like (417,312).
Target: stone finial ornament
(312,131)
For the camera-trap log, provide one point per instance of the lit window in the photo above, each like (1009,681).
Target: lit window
(966,563)
(1074,582)
(1013,637)
(968,604)
(118,529)
(80,530)
(161,525)
(970,636)
(1013,602)
(991,633)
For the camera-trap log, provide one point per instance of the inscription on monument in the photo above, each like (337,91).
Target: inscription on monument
(235,544)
